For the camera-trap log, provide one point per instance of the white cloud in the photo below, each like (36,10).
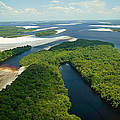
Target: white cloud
(2,5)
(56,9)
(116,9)
(5,10)
(55,1)
(93,8)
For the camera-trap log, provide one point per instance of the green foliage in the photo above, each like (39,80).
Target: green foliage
(79,43)
(37,94)
(12,52)
(98,62)
(115,30)
(14,36)
(12,31)
(46,33)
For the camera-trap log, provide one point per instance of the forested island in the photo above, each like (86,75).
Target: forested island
(115,30)
(12,52)
(39,92)
(45,33)
(13,31)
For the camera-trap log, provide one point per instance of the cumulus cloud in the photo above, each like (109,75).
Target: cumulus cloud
(66,10)
(82,7)
(116,9)
(55,1)
(5,10)
(88,7)
(85,9)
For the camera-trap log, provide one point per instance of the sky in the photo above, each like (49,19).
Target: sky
(39,10)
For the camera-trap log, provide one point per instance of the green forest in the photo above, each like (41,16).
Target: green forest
(115,30)
(13,31)
(45,33)
(39,92)
(98,62)
(12,52)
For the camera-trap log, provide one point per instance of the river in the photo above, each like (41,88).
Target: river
(85,103)
(14,61)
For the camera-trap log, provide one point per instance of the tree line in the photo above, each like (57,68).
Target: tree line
(39,92)
(12,52)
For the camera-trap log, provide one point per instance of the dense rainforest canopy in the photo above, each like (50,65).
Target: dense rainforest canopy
(39,92)
(45,33)
(115,30)
(98,62)
(13,31)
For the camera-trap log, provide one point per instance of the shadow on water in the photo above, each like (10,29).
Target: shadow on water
(85,103)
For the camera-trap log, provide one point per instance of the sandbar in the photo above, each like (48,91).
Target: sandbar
(106,26)
(101,29)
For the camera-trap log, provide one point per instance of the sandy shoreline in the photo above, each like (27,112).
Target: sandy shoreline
(27,39)
(45,29)
(8,75)
(101,29)
(28,27)
(60,31)
(70,40)
(68,24)
(10,43)
(106,26)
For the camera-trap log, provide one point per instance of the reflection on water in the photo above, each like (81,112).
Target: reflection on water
(85,103)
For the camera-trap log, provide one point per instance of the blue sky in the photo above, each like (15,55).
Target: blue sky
(29,10)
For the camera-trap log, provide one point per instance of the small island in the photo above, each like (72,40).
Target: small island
(46,33)
(13,31)
(115,30)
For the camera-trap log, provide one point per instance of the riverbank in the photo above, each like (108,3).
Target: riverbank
(8,75)
(37,91)
(79,92)
(106,26)
(45,29)
(81,53)
(10,43)
(102,29)
(28,27)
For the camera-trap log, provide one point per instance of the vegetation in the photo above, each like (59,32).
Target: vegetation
(39,92)
(14,36)
(11,31)
(115,30)
(46,33)
(79,43)
(98,62)
(12,52)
